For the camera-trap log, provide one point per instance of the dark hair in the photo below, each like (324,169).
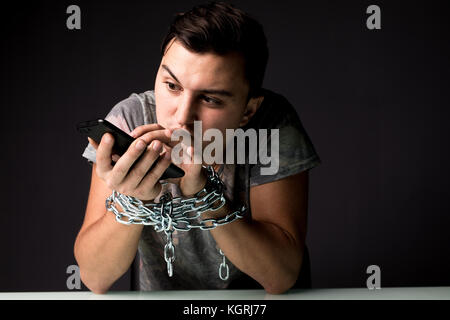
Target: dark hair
(221,28)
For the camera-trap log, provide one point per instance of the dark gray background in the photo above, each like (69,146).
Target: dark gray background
(375,104)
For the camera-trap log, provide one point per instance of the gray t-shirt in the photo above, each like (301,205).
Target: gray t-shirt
(197,257)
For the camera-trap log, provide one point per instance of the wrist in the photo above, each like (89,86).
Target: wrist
(217,214)
(199,186)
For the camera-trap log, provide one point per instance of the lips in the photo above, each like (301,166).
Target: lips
(191,131)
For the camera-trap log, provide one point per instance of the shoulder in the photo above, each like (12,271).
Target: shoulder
(136,110)
(275,112)
(292,151)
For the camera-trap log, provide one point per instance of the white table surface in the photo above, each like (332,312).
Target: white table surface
(403,293)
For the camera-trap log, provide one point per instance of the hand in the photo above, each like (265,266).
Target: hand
(137,182)
(195,176)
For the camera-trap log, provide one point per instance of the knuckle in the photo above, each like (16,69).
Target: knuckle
(167,159)
(99,161)
(147,137)
(144,195)
(156,133)
(150,154)
(164,163)
(139,172)
(157,188)
(153,176)
(119,169)
(136,151)
(153,154)
(127,191)
(138,193)
(154,191)
(110,184)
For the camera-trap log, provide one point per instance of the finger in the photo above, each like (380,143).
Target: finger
(154,175)
(139,131)
(104,151)
(93,143)
(141,168)
(163,135)
(122,166)
(115,157)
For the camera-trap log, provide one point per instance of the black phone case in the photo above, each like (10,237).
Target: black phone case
(95,129)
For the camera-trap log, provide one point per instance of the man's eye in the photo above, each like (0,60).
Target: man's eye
(171,86)
(210,100)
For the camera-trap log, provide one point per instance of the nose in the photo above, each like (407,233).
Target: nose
(186,112)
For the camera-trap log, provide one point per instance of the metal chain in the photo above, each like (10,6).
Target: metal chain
(169,252)
(177,214)
(222,266)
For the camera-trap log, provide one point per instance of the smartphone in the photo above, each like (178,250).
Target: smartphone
(95,129)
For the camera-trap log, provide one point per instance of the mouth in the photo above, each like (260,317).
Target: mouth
(190,131)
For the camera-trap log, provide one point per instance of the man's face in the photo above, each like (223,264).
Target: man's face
(190,87)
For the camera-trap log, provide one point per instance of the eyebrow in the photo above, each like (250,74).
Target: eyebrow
(207,91)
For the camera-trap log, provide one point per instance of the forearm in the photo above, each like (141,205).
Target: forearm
(105,250)
(261,250)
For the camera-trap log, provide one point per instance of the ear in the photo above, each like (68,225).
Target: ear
(251,108)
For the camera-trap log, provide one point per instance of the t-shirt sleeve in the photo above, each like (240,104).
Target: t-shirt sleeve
(126,115)
(296,153)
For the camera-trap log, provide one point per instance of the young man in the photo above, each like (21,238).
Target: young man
(212,68)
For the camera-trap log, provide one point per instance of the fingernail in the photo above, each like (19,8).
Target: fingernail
(107,138)
(140,145)
(156,145)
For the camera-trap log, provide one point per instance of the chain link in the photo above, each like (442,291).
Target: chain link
(179,214)
(222,266)
(169,252)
